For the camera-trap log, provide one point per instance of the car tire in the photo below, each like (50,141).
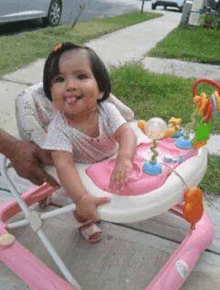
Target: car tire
(54,14)
(153,6)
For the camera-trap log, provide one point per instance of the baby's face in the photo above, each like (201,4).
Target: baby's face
(74,90)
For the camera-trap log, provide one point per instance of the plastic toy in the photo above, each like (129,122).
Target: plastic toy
(174,128)
(155,129)
(177,193)
(193,206)
(206,108)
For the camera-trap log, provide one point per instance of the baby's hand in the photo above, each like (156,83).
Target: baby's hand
(86,207)
(120,174)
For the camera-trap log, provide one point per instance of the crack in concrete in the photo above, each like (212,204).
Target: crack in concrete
(16,82)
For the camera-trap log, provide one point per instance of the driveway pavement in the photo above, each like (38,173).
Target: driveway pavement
(129,255)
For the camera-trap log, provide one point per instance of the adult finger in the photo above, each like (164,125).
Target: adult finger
(29,175)
(35,180)
(42,155)
(38,176)
(45,177)
(52,181)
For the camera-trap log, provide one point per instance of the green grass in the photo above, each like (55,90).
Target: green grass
(211,181)
(153,95)
(21,49)
(190,43)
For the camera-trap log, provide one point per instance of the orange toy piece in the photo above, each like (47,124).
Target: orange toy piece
(199,144)
(193,205)
(174,125)
(170,132)
(142,125)
(202,102)
(203,106)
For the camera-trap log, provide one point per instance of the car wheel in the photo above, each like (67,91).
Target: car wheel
(54,14)
(153,6)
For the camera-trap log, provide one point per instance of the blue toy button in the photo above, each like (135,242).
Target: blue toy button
(152,168)
(178,134)
(183,143)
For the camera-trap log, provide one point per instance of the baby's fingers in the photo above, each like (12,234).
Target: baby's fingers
(118,181)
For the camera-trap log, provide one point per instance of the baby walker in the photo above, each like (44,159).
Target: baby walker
(164,177)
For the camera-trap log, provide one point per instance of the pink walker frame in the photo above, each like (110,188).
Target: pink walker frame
(39,277)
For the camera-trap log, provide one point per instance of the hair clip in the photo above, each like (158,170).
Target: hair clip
(56,47)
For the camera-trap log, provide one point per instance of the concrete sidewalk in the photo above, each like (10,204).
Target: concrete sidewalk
(129,256)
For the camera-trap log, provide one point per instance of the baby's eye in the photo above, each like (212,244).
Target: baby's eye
(58,79)
(82,76)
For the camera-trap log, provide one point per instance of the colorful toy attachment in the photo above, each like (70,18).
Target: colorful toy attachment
(193,205)
(173,127)
(155,128)
(207,108)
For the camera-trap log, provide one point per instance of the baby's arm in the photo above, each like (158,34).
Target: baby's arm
(127,144)
(86,205)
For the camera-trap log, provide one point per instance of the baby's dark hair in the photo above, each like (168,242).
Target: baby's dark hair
(51,68)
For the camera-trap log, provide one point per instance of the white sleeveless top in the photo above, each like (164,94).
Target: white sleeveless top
(86,149)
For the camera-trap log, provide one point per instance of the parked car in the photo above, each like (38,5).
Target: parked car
(165,3)
(16,10)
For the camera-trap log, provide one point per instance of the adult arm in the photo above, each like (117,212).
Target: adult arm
(86,205)
(27,158)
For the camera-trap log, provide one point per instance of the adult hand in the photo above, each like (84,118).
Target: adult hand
(86,208)
(29,160)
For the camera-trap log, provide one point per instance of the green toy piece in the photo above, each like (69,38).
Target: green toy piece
(202,133)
